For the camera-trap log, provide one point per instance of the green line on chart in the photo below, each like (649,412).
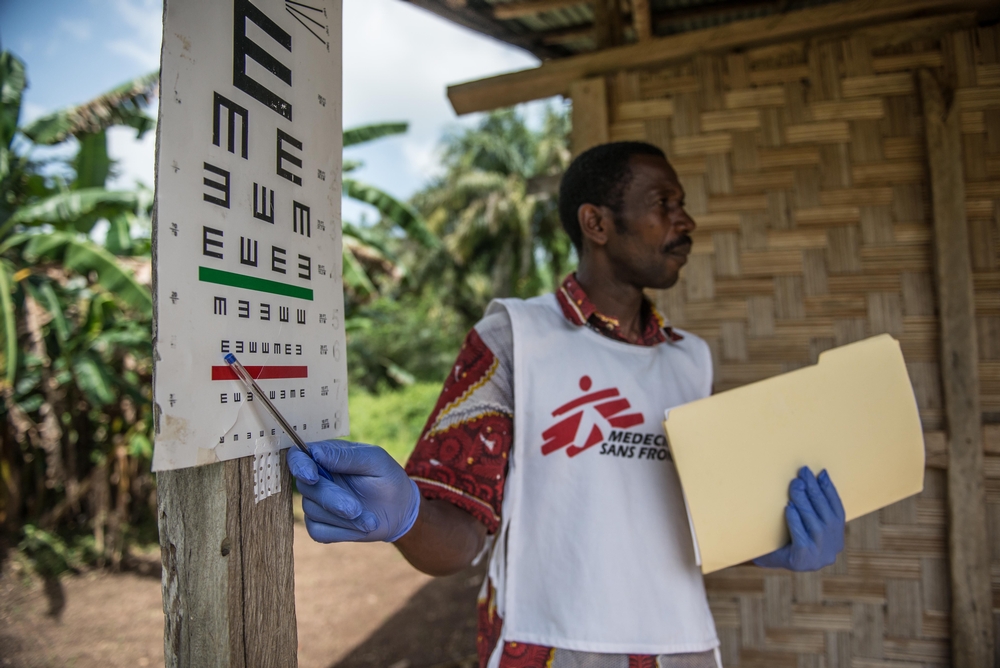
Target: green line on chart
(219,277)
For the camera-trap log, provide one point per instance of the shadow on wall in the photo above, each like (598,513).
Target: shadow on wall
(435,629)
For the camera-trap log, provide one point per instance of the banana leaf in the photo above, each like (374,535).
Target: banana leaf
(92,163)
(369,238)
(400,213)
(119,106)
(48,297)
(84,256)
(119,238)
(366,133)
(9,316)
(355,275)
(12,83)
(78,208)
(93,379)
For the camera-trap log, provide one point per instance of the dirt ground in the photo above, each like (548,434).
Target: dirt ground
(358,606)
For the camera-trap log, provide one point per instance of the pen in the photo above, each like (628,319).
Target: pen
(252,386)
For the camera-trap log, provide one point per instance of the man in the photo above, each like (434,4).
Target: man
(545,448)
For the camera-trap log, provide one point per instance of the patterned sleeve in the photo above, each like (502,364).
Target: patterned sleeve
(461,456)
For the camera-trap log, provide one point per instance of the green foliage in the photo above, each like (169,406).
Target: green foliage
(76,355)
(86,258)
(78,209)
(367,261)
(498,223)
(400,213)
(51,556)
(392,420)
(12,84)
(392,342)
(76,412)
(496,231)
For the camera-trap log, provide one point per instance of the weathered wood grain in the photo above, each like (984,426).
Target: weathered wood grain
(590,113)
(228,573)
(971,618)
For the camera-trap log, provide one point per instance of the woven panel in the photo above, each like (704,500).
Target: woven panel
(804,166)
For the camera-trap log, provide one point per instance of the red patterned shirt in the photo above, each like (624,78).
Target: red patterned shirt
(461,456)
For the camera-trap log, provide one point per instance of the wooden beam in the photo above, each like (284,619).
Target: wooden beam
(666,22)
(676,20)
(607,23)
(485,24)
(642,20)
(223,551)
(590,114)
(555,77)
(971,597)
(515,10)
(568,35)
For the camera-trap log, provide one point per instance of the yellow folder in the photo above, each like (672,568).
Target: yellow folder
(853,413)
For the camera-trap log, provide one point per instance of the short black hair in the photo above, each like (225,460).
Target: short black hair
(599,176)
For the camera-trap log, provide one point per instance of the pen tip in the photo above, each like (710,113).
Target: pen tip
(230,358)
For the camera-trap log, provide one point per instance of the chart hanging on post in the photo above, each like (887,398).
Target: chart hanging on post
(247,240)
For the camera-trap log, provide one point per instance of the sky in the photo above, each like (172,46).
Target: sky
(398,60)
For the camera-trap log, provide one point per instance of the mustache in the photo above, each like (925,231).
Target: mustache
(677,243)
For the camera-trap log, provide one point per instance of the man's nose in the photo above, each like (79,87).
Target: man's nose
(685,223)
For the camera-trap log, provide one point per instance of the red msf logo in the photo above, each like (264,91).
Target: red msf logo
(601,406)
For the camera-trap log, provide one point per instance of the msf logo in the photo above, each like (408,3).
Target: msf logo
(590,410)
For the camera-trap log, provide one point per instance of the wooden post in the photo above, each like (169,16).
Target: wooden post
(971,598)
(221,551)
(590,113)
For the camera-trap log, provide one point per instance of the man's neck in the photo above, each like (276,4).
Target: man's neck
(613,298)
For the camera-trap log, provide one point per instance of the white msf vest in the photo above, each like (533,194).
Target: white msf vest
(594,551)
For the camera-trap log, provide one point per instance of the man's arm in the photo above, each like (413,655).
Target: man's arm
(444,539)
(439,516)
(370,498)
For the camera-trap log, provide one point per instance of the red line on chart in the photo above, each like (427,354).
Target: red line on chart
(261,372)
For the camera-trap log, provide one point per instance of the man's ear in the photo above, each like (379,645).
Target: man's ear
(595,222)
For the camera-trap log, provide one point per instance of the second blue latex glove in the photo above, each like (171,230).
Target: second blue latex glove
(815,518)
(368,496)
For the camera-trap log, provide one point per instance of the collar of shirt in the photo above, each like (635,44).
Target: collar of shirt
(579,310)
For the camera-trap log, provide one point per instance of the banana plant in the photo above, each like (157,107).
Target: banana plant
(47,221)
(366,255)
(75,351)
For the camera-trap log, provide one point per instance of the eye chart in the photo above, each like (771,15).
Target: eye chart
(247,245)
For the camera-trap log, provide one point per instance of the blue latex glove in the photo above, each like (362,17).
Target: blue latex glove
(368,497)
(815,518)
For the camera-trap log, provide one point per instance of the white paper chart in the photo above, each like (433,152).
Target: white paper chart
(247,245)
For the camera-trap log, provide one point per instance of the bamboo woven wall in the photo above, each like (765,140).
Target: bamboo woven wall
(804,165)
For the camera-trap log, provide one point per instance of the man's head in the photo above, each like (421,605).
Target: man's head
(623,207)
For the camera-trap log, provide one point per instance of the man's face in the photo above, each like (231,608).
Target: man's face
(651,242)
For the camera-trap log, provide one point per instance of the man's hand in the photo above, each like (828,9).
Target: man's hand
(815,518)
(369,497)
